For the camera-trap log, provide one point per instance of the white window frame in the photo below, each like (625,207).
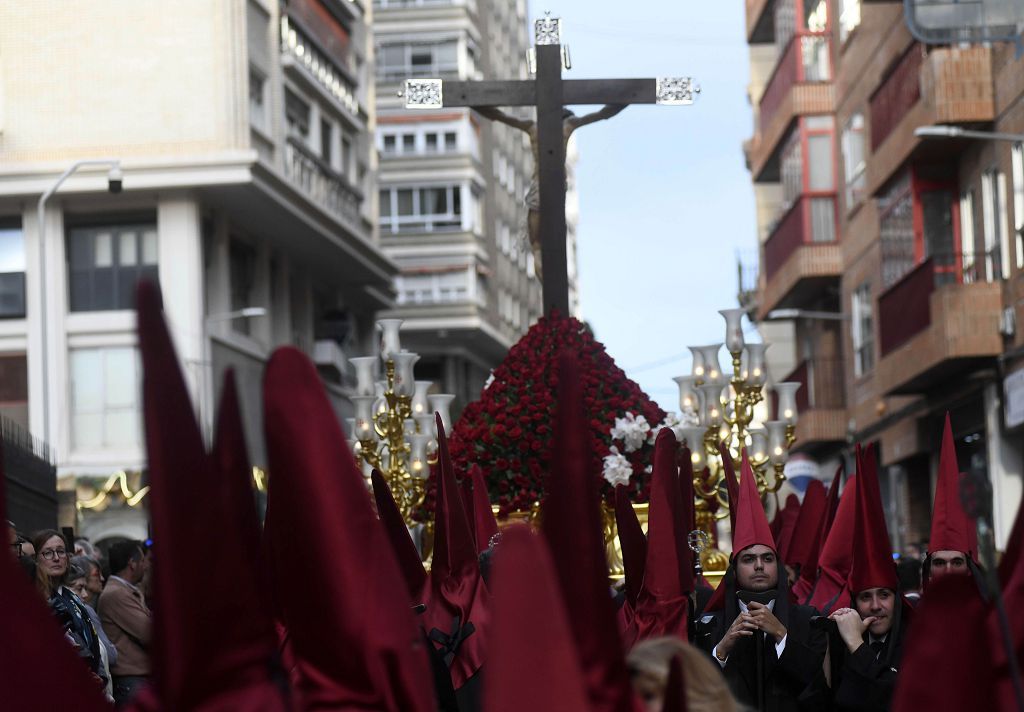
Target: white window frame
(863,338)
(1017,158)
(419,221)
(993,198)
(405,70)
(133,407)
(854,167)
(968,248)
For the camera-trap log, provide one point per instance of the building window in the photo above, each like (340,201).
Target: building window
(12,271)
(407,60)
(257,99)
(849,17)
(426,209)
(1017,155)
(853,160)
(326,141)
(104,399)
(242,273)
(106,262)
(896,225)
(972,264)
(862,329)
(993,215)
(296,115)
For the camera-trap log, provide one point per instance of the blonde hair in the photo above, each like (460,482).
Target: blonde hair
(706,689)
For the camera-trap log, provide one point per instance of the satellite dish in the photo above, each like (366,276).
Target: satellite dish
(952,21)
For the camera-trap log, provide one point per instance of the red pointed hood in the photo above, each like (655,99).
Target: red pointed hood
(732,485)
(41,672)
(574,534)
(200,666)
(873,565)
(398,536)
(457,616)
(751,521)
(807,527)
(485,525)
(948,644)
(952,529)
(633,543)
(342,596)
(663,604)
(788,517)
(836,557)
(534,663)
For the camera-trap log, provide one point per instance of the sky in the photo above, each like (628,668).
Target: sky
(665,198)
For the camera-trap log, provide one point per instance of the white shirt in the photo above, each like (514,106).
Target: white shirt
(779,647)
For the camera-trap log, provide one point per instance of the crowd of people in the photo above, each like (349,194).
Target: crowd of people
(98,602)
(328,606)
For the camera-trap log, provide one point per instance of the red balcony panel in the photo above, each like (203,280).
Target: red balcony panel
(821,384)
(332,36)
(904,309)
(782,80)
(896,96)
(810,220)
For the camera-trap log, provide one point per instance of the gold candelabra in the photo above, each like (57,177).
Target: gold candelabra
(722,409)
(393,429)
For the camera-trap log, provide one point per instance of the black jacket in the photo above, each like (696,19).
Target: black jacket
(864,681)
(791,680)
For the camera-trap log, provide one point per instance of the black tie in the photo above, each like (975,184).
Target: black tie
(878,646)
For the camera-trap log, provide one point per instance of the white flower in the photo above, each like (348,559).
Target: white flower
(631,430)
(489,381)
(617,469)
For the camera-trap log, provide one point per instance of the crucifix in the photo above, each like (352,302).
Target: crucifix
(549,93)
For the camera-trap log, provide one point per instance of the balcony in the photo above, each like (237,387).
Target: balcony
(321,183)
(936,322)
(319,69)
(820,401)
(800,85)
(949,85)
(801,255)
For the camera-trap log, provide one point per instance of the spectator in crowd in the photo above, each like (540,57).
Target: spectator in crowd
(51,581)
(84,547)
(126,618)
(706,689)
(92,584)
(78,581)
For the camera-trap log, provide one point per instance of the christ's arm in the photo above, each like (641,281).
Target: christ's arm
(607,112)
(495,114)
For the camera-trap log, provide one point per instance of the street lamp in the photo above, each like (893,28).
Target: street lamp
(942,131)
(115,183)
(789,314)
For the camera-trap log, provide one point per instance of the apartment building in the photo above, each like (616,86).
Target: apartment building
(897,257)
(243,132)
(451,189)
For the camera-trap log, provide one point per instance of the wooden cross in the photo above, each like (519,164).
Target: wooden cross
(549,93)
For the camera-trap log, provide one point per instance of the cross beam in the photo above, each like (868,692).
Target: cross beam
(549,93)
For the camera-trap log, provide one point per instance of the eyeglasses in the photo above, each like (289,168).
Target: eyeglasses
(17,546)
(51,554)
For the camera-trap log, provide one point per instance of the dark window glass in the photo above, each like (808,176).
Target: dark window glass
(105,263)
(12,271)
(242,267)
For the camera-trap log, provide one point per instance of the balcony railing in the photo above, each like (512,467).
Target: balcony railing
(821,384)
(325,71)
(810,220)
(805,59)
(323,184)
(896,96)
(904,310)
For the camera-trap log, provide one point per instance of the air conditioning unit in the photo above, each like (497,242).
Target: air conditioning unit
(1008,322)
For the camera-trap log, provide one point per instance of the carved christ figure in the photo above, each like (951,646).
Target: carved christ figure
(570,122)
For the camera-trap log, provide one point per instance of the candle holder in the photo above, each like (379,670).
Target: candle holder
(392,430)
(726,413)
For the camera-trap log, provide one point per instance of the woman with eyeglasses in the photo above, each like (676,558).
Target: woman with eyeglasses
(51,576)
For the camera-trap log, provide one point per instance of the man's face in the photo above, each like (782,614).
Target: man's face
(947,562)
(878,602)
(757,568)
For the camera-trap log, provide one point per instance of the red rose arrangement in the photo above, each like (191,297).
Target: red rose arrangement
(508,432)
